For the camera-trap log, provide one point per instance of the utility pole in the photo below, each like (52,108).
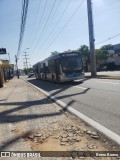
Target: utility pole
(26,61)
(24,65)
(91,39)
(9,57)
(16,60)
(30,65)
(25,55)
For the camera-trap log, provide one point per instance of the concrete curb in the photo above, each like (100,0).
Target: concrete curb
(108,133)
(104,77)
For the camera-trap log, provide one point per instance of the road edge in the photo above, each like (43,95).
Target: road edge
(103,130)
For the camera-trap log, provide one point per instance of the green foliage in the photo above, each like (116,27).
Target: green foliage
(26,71)
(106,47)
(54,53)
(84,51)
(102,53)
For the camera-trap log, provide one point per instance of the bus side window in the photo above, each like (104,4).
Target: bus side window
(51,66)
(57,66)
(43,65)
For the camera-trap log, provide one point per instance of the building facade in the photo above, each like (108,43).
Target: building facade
(6,72)
(114,56)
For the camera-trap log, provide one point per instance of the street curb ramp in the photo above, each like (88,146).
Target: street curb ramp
(106,132)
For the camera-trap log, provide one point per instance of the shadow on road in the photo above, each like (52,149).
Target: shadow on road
(74,94)
(14,140)
(58,87)
(6,117)
(114,77)
(2,100)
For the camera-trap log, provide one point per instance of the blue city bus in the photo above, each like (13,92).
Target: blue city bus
(66,66)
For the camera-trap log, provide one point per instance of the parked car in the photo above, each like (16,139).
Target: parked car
(11,75)
(31,74)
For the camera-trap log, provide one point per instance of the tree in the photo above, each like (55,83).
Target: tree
(54,53)
(106,47)
(102,54)
(26,71)
(84,51)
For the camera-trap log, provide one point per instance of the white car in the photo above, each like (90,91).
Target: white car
(31,74)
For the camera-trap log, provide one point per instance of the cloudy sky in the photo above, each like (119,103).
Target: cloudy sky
(45,32)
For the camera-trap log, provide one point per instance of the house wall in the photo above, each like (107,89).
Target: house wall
(114,58)
(1,80)
(4,72)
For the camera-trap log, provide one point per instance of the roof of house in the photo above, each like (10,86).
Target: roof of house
(116,46)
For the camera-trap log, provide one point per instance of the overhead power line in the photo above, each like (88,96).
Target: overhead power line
(39,23)
(23,22)
(107,39)
(36,16)
(66,23)
(42,32)
(55,25)
(55,12)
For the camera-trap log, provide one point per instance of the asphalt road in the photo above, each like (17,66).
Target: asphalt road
(99,99)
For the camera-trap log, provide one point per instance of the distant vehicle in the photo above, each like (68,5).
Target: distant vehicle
(30,74)
(104,68)
(67,66)
(11,75)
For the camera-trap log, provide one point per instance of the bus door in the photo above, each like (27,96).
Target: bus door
(57,69)
(44,70)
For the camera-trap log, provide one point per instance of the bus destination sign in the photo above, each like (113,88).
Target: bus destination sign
(70,54)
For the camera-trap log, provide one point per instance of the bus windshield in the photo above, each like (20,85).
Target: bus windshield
(72,63)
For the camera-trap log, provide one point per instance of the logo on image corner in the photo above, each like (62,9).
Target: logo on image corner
(5,154)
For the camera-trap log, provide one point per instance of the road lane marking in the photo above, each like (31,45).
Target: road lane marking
(108,82)
(80,87)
